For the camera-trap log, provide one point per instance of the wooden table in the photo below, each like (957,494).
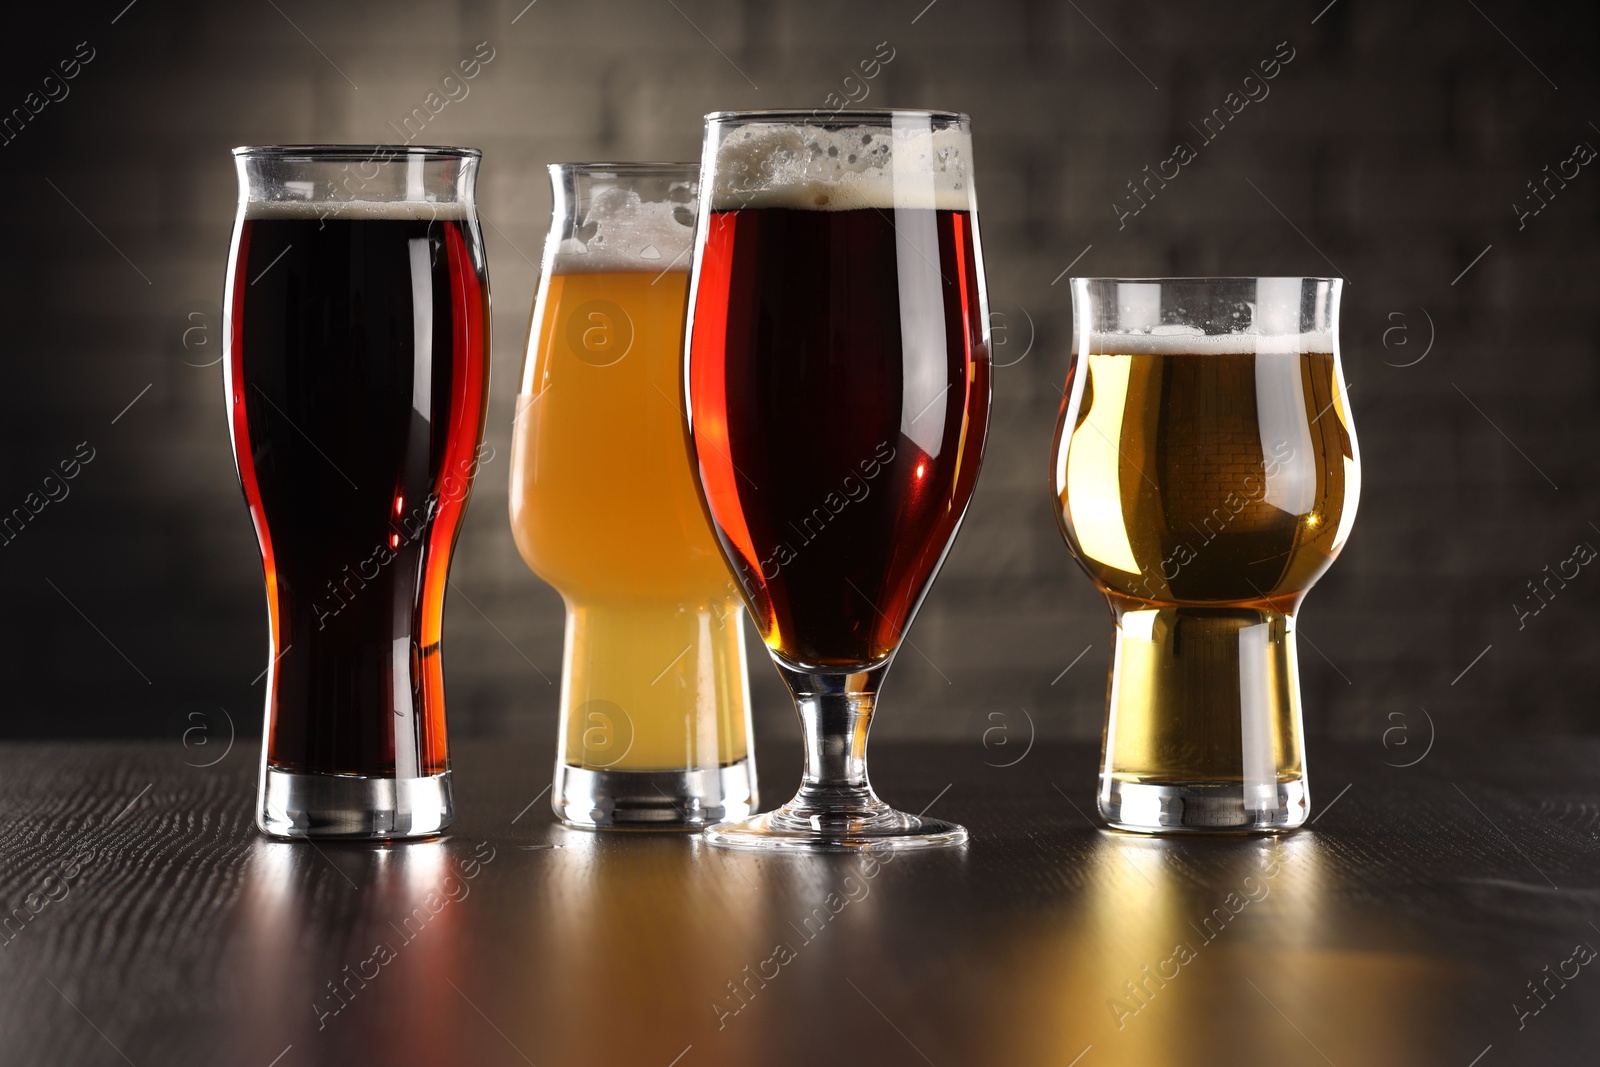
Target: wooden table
(150,924)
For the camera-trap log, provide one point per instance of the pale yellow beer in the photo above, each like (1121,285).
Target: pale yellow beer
(655,707)
(604,508)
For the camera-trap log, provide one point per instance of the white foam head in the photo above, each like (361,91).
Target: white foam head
(630,234)
(1192,341)
(354,210)
(790,165)
(1276,322)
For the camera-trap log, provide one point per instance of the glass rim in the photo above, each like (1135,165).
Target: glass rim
(346,152)
(1203,278)
(631,167)
(822,116)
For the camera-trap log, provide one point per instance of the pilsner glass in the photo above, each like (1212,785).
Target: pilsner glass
(838,385)
(1207,474)
(357,340)
(655,708)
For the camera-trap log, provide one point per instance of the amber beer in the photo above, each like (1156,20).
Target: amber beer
(603,507)
(1205,483)
(838,450)
(838,380)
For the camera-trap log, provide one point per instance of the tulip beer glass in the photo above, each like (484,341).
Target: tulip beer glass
(1206,474)
(838,388)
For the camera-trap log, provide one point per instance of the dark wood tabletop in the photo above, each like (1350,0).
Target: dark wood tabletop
(1443,913)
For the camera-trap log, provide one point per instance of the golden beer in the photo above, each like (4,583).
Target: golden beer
(1205,483)
(604,508)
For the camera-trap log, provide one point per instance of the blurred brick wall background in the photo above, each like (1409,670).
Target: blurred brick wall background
(1390,149)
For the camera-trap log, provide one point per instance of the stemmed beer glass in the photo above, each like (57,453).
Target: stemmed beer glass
(1207,473)
(838,392)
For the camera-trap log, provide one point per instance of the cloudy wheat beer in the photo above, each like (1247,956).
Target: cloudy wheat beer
(839,397)
(655,704)
(357,371)
(1207,475)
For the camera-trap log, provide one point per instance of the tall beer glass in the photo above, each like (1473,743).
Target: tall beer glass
(655,708)
(838,387)
(357,339)
(1207,475)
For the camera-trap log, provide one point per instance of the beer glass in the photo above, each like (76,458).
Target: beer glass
(838,388)
(1207,474)
(655,707)
(357,342)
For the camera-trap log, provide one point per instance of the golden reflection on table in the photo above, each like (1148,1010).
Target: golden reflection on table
(1157,962)
(634,925)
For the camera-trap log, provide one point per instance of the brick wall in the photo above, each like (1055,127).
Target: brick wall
(1389,149)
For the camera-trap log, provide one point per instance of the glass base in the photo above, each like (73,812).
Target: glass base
(1204,807)
(653,800)
(808,829)
(352,806)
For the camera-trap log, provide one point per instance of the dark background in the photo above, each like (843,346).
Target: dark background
(1390,150)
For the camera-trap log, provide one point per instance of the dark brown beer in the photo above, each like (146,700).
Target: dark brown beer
(356,382)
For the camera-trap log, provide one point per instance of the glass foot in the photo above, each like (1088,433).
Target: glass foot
(816,829)
(653,800)
(1204,807)
(352,806)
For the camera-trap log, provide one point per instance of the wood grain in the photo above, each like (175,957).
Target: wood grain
(150,924)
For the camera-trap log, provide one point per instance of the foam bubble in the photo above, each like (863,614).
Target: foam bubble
(1196,343)
(353,210)
(623,233)
(811,168)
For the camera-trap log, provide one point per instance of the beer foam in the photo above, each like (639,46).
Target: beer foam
(1190,342)
(787,165)
(623,233)
(351,210)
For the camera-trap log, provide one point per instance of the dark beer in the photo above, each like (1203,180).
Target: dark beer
(357,381)
(840,395)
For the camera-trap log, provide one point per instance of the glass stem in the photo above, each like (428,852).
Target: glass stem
(835,712)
